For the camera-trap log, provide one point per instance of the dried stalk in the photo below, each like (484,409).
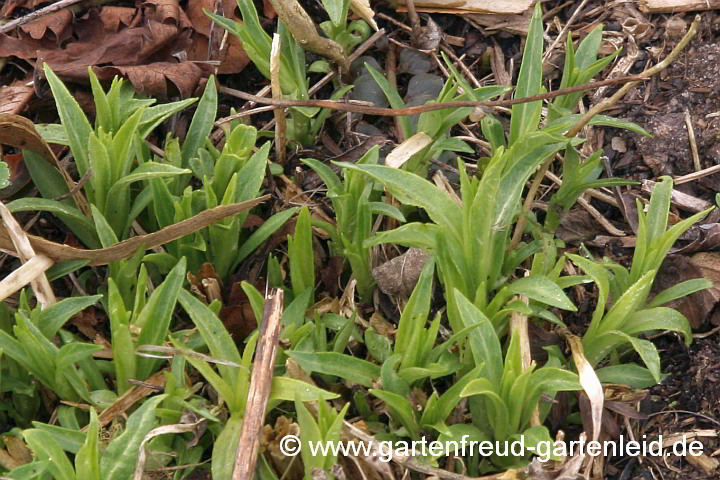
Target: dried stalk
(259,391)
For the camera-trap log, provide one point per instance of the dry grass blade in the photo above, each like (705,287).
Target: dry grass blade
(20,277)
(589,382)
(280,124)
(165,429)
(169,352)
(126,249)
(259,391)
(130,398)
(21,244)
(403,152)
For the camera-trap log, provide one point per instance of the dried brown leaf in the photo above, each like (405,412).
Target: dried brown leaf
(125,249)
(15,97)
(58,23)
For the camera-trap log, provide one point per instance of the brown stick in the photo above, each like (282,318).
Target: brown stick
(260,381)
(37,14)
(674,6)
(356,107)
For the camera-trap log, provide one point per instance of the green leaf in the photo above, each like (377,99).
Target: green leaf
(87,459)
(285,388)
(50,320)
(499,418)
(680,290)
(658,318)
(119,458)
(202,122)
(526,116)
(411,189)
(542,289)
(382,208)
(155,317)
(225,449)
(484,342)
(400,410)
(76,124)
(332,181)
(393,97)
(155,115)
(4,175)
(69,440)
(74,352)
(350,368)
(79,223)
(301,254)
(259,236)
(419,235)
(630,374)
(46,448)
(213,331)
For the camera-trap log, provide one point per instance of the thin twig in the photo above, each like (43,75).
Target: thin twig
(346,106)
(259,391)
(562,33)
(323,81)
(696,175)
(693,142)
(32,16)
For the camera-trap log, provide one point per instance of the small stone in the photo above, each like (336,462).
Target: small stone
(675,27)
(424,84)
(618,144)
(414,62)
(367,90)
(357,67)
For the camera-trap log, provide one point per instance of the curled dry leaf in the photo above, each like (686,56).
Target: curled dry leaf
(126,249)
(400,275)
(165,429)
(142,44)
(56,26)
(15,97)
(362,9)
(588,380)
(158,79)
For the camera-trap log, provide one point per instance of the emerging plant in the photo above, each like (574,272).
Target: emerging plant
(327,430)
(469,241)
(511,393)
(347,35)
(106,152)
(304,122)
(149,316)
(117,461)
(354,210)
(232,379)
(67,369)
(231,176)
(631,313)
